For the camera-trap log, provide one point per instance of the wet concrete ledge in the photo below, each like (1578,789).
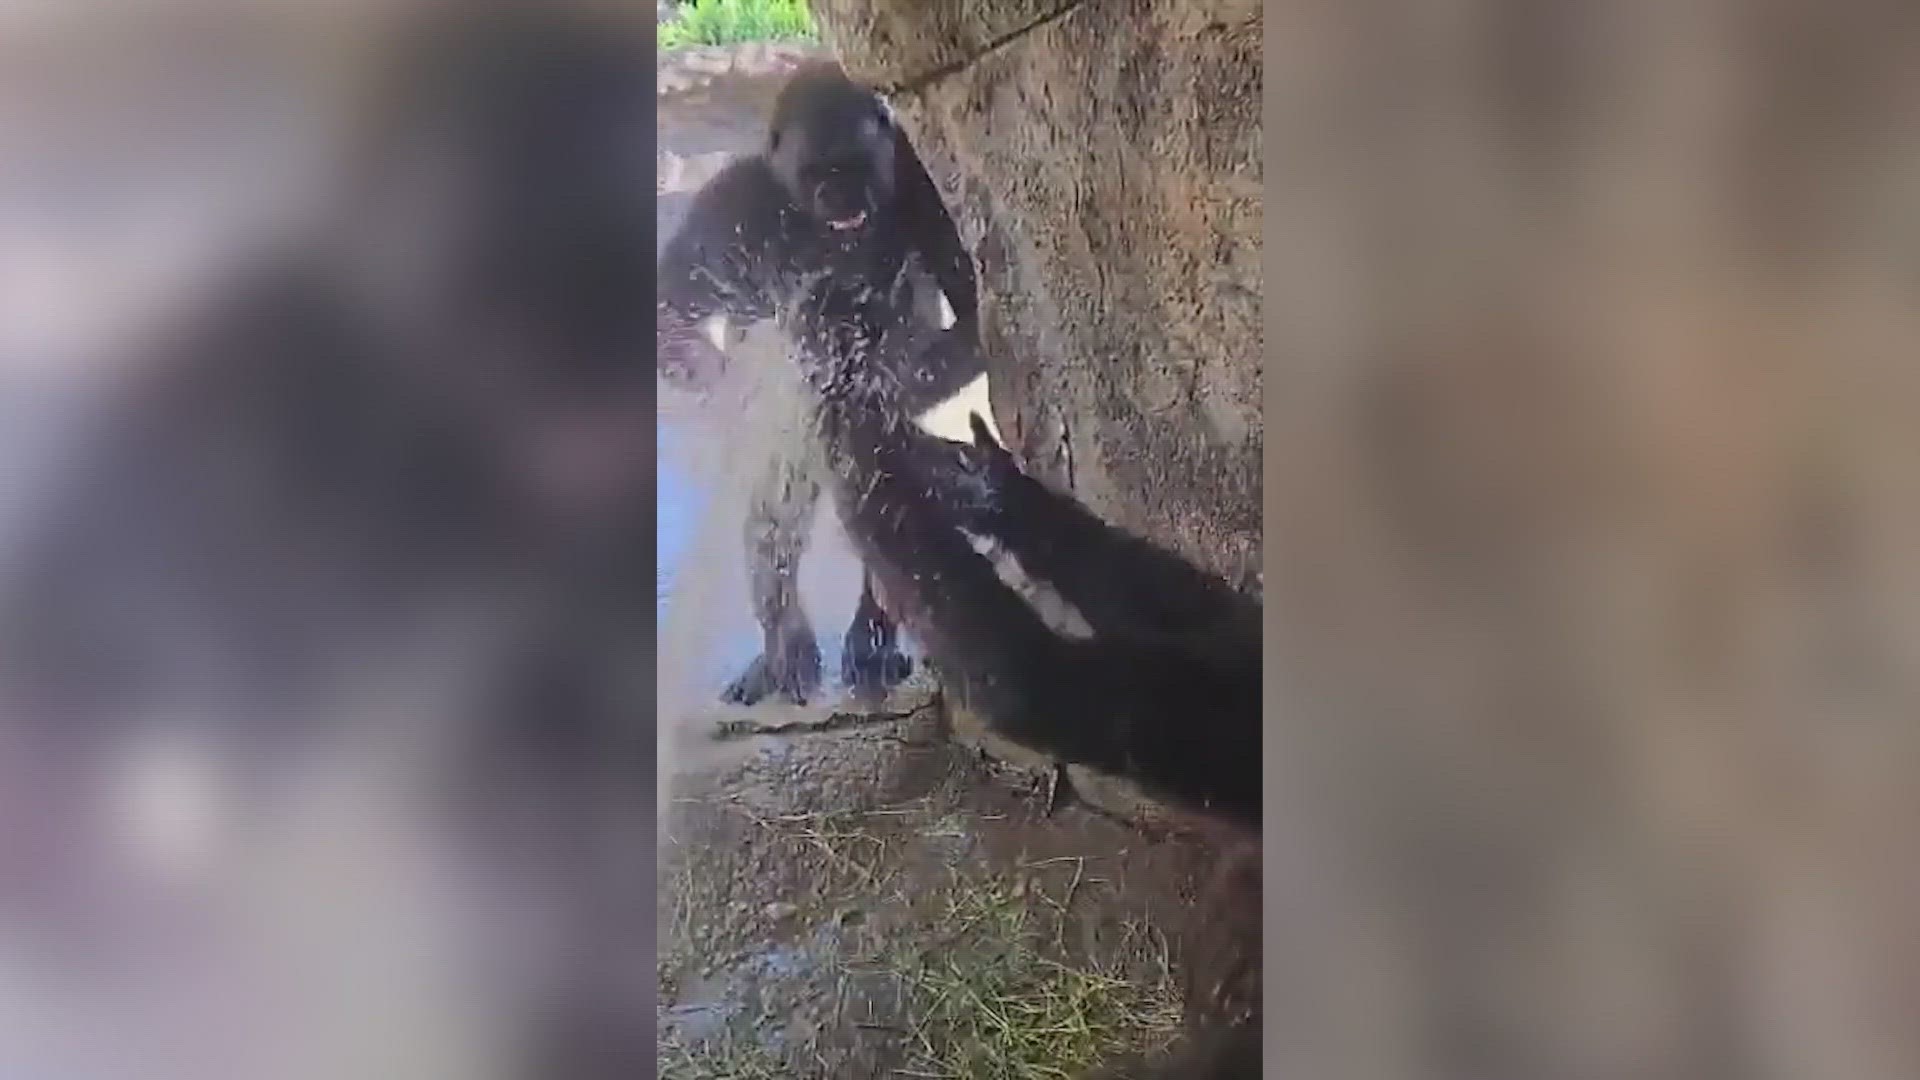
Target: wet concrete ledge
(691,70)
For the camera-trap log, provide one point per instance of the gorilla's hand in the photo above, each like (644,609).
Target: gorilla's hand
(686,358)
(986,477)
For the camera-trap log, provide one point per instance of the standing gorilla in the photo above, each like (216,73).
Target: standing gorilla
(415,441)
(838,191)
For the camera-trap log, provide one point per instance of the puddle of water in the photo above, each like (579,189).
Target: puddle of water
(696,1023)
(707,1005)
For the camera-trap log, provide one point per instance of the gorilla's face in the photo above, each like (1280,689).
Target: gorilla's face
(832,145)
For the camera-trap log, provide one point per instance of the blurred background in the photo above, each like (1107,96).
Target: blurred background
(175,901)
(1594,602)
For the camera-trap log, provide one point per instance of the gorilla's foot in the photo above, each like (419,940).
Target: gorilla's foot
(869,666)
(793,672)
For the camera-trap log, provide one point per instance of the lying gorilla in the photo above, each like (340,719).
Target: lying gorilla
(1160,679)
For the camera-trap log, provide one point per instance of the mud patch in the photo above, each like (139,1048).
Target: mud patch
(876,901)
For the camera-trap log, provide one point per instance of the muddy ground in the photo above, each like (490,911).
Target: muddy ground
(851,895)
(878,900)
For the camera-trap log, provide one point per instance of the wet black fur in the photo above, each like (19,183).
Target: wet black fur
(1167,691)
(749,240)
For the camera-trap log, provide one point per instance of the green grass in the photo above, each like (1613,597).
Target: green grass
(989,996)
(996,1002)
(985,985)
(729,22)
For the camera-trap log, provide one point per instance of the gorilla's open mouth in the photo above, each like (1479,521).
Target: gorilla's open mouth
(846,223)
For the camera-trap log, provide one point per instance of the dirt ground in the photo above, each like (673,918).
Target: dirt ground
(875,900)
(852,895)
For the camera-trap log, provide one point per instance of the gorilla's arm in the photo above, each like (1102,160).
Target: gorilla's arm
(723,259)
(1118,581)
(925,213)
(1178,712)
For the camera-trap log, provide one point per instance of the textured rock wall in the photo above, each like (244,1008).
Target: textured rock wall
(1104,168)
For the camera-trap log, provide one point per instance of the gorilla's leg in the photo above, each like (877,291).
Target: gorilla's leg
(872,661)
(779,519)
(1119,582)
